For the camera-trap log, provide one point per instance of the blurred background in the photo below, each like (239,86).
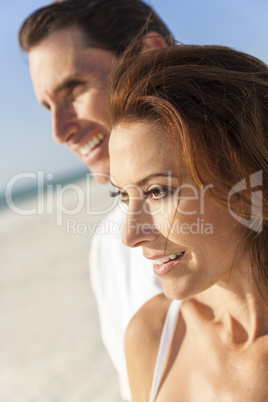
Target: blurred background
(50,347)
(25,127)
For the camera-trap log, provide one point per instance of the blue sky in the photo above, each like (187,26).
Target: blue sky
(27,145)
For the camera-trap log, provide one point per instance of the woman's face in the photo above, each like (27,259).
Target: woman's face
(191,241)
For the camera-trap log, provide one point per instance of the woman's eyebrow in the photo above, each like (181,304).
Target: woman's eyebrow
(114,185)
(145,180)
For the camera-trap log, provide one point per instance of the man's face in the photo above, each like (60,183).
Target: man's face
(70,80)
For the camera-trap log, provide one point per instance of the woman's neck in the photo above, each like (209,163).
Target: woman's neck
(237,309)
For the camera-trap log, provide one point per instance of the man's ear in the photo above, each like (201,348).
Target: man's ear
(151,41)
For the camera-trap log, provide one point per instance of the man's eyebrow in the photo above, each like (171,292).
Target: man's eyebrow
(66,83)
(145,180)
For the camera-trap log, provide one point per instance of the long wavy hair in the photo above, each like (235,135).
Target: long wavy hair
(214,101)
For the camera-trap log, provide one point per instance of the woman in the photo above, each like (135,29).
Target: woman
(189,158)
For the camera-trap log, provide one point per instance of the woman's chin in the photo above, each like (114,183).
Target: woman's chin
(174,293)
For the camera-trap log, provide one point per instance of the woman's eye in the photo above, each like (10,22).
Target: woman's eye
(158,193)
(123,196)
(153,194)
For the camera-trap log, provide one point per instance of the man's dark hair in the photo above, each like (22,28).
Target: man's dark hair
(106,24)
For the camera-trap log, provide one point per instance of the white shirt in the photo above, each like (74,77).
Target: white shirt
(122,281)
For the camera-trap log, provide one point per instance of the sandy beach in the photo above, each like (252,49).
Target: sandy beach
(51,350)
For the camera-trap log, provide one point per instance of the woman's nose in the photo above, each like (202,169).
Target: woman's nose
(138,229)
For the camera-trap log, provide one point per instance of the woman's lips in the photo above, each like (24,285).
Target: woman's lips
(168,266)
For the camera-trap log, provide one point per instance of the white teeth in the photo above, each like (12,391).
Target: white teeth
(166,259)
(86,149)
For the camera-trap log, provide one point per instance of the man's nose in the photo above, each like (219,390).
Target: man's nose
(138,229)
(64,124)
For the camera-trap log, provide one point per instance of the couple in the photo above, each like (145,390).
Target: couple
(187,143)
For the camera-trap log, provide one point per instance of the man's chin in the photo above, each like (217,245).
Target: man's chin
(101,178)
(100,171)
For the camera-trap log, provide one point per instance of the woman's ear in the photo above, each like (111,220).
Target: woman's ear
(151,41)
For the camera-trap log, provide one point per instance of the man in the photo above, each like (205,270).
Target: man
(72,46)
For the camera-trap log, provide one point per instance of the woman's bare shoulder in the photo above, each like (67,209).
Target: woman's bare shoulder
(141,344)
